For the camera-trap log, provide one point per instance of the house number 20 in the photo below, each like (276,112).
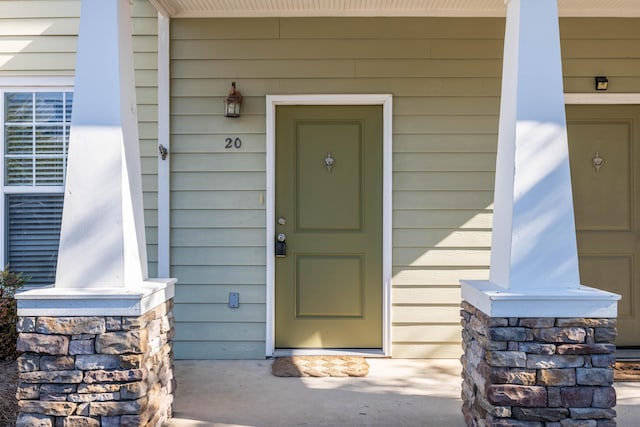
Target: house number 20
(232,143)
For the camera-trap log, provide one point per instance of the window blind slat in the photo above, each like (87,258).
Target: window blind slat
(32,245)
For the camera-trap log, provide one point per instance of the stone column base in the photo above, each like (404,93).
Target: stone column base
(537,372)
(96,370)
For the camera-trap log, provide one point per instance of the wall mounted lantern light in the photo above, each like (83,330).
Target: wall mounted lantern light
(232,102)
(602,83)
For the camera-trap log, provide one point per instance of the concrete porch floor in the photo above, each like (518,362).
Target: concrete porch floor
(397,392)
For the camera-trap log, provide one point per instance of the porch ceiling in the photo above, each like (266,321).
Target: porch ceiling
(291,8)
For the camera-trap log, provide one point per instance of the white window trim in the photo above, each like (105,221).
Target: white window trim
(386,101)
(25,84)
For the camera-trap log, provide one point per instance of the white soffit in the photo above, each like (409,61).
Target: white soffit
(310,8)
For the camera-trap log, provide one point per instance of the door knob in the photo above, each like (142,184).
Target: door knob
(282,237)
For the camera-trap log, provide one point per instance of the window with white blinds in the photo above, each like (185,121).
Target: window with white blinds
(33,233)
(36,138)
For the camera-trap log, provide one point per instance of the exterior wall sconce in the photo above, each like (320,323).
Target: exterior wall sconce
(602,83)
(232,102)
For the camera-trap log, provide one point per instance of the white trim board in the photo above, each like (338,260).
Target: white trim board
(356,99)
(37,82)
(601,98)
(164,138)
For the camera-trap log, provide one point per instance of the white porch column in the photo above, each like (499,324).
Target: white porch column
(102,240)
(534,260)
(102,259)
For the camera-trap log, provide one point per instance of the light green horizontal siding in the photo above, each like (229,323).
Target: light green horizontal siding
(39,38)
(217,349)
(445,76)
(198,294)
(445,121)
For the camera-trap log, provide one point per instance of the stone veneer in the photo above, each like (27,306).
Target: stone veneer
(537,372)
(96,371)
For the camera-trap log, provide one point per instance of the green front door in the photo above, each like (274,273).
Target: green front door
(329,206)
(604,148)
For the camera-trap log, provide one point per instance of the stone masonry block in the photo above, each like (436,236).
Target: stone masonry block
(34,420)
(488,344)
(536,348)
(56,363)
(554,397)
(110,409)
(507,334)
(99,388)
(517,395)
(540,414)
(133,421)
(468,307)
(603,360)
(53,397)
(569,335)
(93,397)
(27,391)
(509,422)
(59,388)
(60,377)
(511,359)
(70,325)
(521,376)
(586,322)
(39,343)
(113,421)
(78,421)
(554,361)
(594,376)
(58,409)
(586,349)
(82,409)
(131,361)
(113,323)
(88,362)
(81,346)
(537,322)
(604,397)
(29,362)
(496,411)
(569,422)
(607,335)
(103,376)
(135,341)
(577,397)
(26,324)
(557,377)
(592,413)
(133,323)
(133,391)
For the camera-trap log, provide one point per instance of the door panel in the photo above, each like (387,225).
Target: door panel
(329,286)
(329,195)
(606,205)
(340,188)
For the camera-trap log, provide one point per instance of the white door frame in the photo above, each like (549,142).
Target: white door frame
(356,99)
